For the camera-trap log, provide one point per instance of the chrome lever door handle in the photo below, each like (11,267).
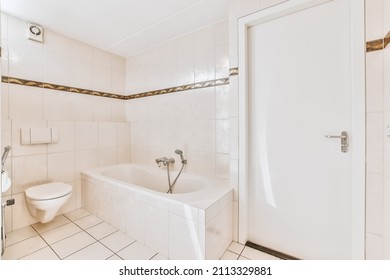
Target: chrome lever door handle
(344,140)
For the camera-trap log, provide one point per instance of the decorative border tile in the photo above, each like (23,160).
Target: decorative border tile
(386,40)
(377,45)
(211,83)
(30,83)
(233,71)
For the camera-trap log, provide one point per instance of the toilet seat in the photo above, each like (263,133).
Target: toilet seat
(48,191)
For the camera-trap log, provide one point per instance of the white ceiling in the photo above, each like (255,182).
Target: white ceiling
(122,27)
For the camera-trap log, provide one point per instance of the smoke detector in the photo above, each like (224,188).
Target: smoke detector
(35,32)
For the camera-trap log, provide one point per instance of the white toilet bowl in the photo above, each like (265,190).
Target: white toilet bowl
(44,201)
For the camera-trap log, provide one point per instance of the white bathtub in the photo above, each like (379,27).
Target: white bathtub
(194,222)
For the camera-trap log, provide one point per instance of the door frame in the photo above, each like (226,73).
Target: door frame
(358,118)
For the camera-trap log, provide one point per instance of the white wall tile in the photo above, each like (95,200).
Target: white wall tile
(374,81)
(81,107)
(386,73)
(374,152)
(222,102)
(81,74)
(101,58)
(4,26)
(25,103)
(185,70)
(233,47)
(205,65)
(107,134)
(57,43)
(374,204)
(374,247)
(85,160)
(386,18)
(28,171)
(157,222)
(56,68)
(101,79)
(222,61)
(86,135)
(118,63)
(20,215)
(61,167)
(4,101)
(186,45)
(56,105)
(233,180)
(124,154)
(184,241)
(221,30)
(222,136)
(66,136)
(222,166)
(117,82)
(123,134)
(107,156)
(374,19)
(101,109)
(204,38)
(21,54)
(118,110)
(81,51)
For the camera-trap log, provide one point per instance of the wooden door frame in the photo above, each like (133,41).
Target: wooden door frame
(358,156)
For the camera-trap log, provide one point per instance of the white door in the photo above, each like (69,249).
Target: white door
(305,192)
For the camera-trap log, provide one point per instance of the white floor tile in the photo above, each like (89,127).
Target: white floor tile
(117,241)
(72,244)
(24,248)
(88,221)
(77,214)
(236,247)
(243,258)
(58,221)
(43,254)
(101,230)
(114,258)
(61,232)
(253,254)
(229,256)
(136,251)
(95,251)
(19,235)
(159,257)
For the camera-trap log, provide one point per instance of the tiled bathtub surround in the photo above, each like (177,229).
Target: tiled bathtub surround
(194,225)
(195,120)
(92,129)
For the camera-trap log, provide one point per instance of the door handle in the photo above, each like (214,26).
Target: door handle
(344,140)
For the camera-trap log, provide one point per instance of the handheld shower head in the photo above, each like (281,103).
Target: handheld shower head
(180,152)
(5,155)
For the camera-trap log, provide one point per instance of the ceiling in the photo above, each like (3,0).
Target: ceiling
(122,27)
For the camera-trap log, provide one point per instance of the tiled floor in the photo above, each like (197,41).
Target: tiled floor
(78,235)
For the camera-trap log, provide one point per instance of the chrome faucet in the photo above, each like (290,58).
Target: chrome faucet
(165,161)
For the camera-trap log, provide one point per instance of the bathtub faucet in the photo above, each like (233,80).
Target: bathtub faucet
(165,161)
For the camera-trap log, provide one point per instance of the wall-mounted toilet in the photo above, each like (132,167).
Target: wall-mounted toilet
(44,201)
